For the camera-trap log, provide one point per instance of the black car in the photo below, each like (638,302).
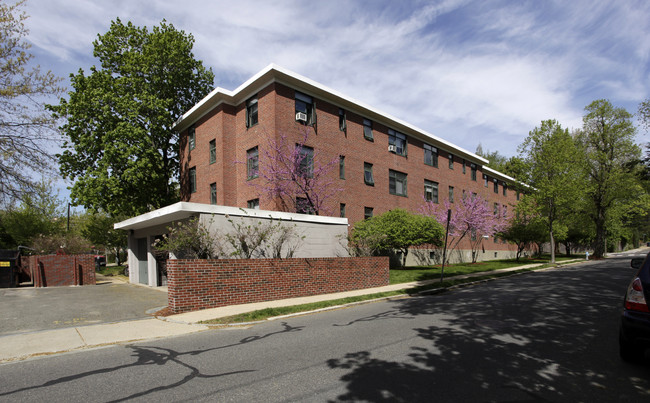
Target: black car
(634,336)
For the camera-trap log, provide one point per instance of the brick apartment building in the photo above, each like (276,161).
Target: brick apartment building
(384,162)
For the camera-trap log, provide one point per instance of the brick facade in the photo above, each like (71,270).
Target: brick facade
(202,284)
(226,124)
(62,270)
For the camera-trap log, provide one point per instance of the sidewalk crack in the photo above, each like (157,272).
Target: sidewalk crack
(80,336)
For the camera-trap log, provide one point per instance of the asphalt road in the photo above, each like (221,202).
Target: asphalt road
(545,336)
(32,309)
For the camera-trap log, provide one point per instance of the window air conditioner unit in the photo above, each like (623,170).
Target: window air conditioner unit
(301,116)
(392,148)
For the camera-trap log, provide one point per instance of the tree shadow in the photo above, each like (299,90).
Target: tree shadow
(498,341)
(158,356)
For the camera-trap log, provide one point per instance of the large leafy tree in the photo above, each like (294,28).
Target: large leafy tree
(550,154)
(26,133)
(607,144)
(119,147)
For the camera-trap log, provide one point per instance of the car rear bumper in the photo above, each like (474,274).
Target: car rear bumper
(635,328)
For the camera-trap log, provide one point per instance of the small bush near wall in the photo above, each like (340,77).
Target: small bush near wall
(200,284)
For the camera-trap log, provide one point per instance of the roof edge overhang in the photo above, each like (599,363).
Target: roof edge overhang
(273,73)
(184,210)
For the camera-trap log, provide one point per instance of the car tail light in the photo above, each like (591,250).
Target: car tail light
(635,300)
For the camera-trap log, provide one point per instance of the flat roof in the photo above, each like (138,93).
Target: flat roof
(184,210)
(273,73)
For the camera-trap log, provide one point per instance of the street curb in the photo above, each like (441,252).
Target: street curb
(398,296)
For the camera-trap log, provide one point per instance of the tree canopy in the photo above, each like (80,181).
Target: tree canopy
(550,154)
(25,127)
(295,176)
(610,154)
(397,229)
(120,149)
(471,216)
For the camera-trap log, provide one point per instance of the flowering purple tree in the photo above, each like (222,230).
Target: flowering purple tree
(470,217)
(294,176)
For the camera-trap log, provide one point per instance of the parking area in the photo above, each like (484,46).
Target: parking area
(34,309)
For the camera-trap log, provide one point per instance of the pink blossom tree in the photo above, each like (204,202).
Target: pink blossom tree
(470,217)
(294,176)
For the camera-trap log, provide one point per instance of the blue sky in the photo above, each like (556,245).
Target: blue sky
(468,71)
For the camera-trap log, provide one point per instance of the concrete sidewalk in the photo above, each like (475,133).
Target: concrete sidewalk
(20,346)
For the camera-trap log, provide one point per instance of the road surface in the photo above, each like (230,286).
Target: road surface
(548,335)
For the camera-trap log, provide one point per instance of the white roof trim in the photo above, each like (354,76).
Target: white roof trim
(498,174)
(183,210)
(219,95)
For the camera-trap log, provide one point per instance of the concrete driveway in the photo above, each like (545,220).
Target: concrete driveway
(33,309)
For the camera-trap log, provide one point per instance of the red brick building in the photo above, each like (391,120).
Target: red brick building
(385,163)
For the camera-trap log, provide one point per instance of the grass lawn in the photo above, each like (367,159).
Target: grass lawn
(419,273)
(113,271)
(398,276)
(263,314)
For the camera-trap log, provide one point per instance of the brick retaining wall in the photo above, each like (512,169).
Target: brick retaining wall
(62,270)
(201,284)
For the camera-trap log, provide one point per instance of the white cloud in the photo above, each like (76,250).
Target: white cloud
(463,70)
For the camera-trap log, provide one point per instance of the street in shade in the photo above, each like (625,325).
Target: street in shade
(550,335)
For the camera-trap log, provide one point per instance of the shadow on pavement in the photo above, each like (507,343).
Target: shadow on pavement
(498,342)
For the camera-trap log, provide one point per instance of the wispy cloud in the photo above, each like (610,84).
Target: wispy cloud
(467,71)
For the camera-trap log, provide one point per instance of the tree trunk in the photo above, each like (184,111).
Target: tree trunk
(552,246)
(600,244)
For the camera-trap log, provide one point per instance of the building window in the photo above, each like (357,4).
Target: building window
(306,161)
(342,210)
(503,186)
(464,164)
(367,174)
(213,151)
(367,129)
(430,191)
(303,206)
(252,163)
(496,185)
(192,174)
(343,126)
(305,110)
(191,137)
(396,183)
(473,168)
(341,166)
(496,209)
(431,155)
(517,196)
(451,194)
(251,112)
(367,212)
(451,161)
(254,204)
(485,180)
(398,142)
(213,193)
